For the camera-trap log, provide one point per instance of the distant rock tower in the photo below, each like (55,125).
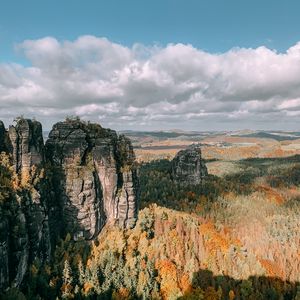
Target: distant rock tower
(188,167)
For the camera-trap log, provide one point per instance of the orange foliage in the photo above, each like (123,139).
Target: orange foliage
(215,240)
(272,269)
(185,284)
(271,194)
(168,273)
(121,294)
(87,287)
(66,288)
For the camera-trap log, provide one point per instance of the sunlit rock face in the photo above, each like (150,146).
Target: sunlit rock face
(188,167)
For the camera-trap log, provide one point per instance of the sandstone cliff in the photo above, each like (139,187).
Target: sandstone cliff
(188,167)
(27,144)
(24,211)
(4,141)
(83,178)
(96,179)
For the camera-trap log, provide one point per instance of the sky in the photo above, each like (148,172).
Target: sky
(152,65)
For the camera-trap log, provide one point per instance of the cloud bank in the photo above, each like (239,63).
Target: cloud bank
(176,86)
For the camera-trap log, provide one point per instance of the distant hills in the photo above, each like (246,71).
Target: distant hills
(176,134)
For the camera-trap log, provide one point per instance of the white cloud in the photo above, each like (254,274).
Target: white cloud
(152,87)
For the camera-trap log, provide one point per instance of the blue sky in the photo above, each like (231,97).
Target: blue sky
(229,64)
(212,25)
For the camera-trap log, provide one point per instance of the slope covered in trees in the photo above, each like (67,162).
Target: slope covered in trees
(230,237)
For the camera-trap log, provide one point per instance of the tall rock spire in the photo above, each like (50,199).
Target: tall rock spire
(96,178)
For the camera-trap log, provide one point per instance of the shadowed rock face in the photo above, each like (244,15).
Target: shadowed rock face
(97,179)
(4,242)
(27,205)
(188,167)
(27,144)
(2,137)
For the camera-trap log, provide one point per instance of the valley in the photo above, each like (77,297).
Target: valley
(195,216)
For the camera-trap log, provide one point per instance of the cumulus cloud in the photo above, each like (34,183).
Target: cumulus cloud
(152,87)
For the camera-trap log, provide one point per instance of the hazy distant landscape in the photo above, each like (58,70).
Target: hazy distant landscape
(215,145)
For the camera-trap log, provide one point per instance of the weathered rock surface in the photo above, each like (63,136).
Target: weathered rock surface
(188,167)
(97,180)
(27,144)
(24,212)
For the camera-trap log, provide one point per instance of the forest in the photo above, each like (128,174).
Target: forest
(230,237)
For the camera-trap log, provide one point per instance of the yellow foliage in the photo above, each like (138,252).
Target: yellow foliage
(33,270)
(25,179)
(211,294)
(53,281)
(231,295)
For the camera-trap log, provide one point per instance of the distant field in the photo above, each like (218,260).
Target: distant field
(223,146)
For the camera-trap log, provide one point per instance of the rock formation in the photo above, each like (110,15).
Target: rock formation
(27,203)
(4,141)
(97,178)
(188,167)
(83,178)
(2,137)
(27,144)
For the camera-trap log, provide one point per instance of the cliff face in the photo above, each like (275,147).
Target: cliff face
(188,167)
(27,144)
(97,180)
(24,207)
(4,140)
(2,137)
(81,179)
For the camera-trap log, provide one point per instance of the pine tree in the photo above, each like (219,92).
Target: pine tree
(81,273)
(95,277)
(67,287)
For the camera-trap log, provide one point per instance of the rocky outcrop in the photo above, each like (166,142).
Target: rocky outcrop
(96,180)
(188,167)
(2,137)
(83,178)
(24,208)
(27,144)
